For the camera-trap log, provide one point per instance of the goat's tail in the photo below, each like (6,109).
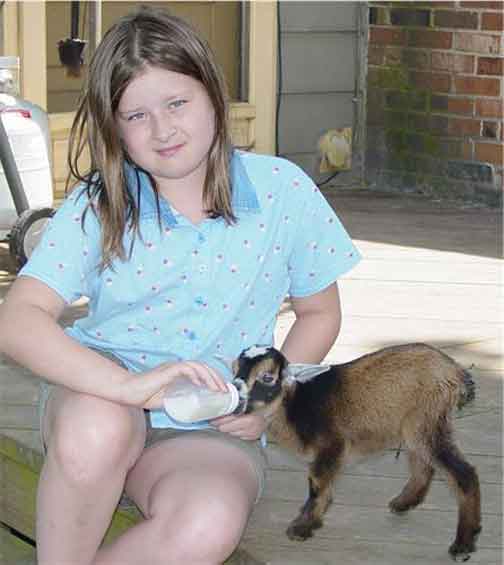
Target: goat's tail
(468,389)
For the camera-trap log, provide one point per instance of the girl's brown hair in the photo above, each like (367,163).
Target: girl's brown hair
(146,37)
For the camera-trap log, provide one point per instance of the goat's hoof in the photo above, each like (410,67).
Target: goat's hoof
(396,506)
(461,552)
(301,530)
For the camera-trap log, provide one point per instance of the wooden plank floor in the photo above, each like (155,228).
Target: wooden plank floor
(433,276)
(13,550)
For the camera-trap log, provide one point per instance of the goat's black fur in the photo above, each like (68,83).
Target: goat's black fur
(402,394)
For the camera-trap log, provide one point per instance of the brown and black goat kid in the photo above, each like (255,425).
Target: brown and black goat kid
(397,395)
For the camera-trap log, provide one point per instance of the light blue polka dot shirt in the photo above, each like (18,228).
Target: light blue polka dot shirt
(197,291)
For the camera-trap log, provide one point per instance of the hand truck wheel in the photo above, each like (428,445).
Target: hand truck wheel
(26,233)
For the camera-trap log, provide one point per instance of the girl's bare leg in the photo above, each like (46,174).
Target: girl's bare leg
(196,495)
(92,444)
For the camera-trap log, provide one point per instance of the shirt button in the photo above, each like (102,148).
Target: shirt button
(189,334)
(203,268)
(200,301)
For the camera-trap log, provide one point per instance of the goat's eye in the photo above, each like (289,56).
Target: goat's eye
(266,378)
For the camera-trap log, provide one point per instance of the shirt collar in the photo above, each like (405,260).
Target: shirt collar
(244,197)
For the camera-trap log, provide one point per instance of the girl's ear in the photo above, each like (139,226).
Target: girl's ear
(302,372)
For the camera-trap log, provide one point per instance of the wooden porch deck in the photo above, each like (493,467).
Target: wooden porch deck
(433,277)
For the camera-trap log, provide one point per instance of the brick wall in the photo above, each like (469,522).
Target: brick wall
(435,98)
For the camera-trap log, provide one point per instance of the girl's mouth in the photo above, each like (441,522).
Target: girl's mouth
(170,151)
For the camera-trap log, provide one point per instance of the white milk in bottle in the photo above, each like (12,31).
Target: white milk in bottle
(188,403)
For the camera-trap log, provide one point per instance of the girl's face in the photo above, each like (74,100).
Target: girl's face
(167,123)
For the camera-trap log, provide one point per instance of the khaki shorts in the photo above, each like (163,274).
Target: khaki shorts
(253,449)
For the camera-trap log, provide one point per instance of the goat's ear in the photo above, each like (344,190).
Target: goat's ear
(302,372)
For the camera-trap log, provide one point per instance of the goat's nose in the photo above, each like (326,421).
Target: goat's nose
(241,387)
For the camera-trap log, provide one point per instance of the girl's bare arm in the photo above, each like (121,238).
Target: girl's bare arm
(317,325)
(30,334)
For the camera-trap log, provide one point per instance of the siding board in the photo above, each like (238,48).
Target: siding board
(322,87)
(320,57)
(312,16)
(304,117)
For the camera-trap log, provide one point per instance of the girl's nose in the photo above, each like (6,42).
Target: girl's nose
(163,128)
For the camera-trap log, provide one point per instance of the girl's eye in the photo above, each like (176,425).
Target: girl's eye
(177,104)
(136,117)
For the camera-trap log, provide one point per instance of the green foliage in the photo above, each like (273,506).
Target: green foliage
(392,78)
(406,119)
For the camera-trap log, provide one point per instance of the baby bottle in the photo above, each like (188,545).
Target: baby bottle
(187,402)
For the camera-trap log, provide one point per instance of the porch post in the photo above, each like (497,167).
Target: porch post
(263,73)
(32,39)
(10,28)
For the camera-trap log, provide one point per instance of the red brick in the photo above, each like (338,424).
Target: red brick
(477,86)
(450,148)
(378,16)
(373,77)
(412,58)
(393,55)
(490,153)
(492,21)
(468,150)
(477,43)
(489,5)
(435,82)
(489,108)
(490,66)
(426,38)
(387,36)
(375,115)
(376,55)
(456,19)
(438,125)
(460,127)
(460,106)
(409,17)
(454,62)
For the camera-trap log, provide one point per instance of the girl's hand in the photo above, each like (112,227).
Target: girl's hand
(146,390)
(247,426)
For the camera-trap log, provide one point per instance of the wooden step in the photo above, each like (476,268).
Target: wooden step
(20,464)
(13,550)
(19,468)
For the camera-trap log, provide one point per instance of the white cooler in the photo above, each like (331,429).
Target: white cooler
(29,140)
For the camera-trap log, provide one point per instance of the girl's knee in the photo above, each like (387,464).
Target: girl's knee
(91,437)
(203,523)
(211,533)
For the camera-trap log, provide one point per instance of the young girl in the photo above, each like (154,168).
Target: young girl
(186,249)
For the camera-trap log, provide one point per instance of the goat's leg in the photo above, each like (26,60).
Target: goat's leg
(464,479)
(421,473)
(321,477)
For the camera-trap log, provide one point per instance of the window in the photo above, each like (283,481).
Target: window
(218,22)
